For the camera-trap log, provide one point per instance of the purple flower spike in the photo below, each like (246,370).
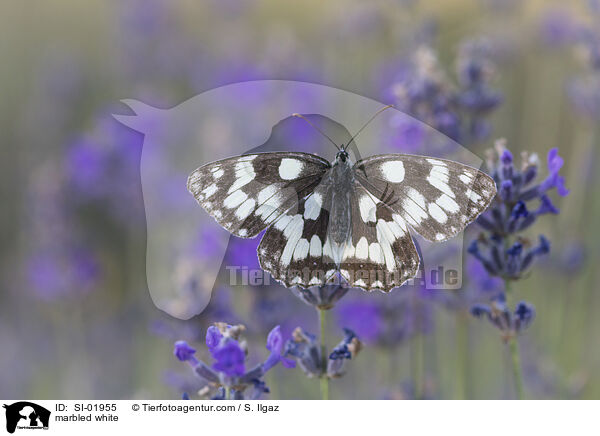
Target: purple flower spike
(554,180)
(546,206)
(184,352)
(511,213)
(213,338)
(275,346)
(506,157)
(230,359)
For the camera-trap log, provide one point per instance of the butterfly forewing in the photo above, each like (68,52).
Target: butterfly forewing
(245,194)
(436,197)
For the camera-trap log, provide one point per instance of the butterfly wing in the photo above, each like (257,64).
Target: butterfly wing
(295,250)
(436,197)
(245,194)
(380,253)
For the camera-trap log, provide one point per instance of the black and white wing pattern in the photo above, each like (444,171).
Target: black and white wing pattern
(380,253)
(436,197)
(296,250)
(245,194)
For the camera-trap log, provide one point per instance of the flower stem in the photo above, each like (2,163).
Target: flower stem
(227,392)
(513,346)
(416,366)
(463,369)
(324,380)
(516,367)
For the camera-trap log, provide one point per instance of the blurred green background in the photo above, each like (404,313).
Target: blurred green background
(76,319)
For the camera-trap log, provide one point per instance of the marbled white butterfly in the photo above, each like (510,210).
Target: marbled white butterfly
(325,219)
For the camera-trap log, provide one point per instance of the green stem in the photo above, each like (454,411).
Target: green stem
(324,380)
(227,392)
(463,356)
(513,346)
(516,367)
(416,366)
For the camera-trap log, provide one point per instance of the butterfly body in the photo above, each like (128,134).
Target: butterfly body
(339,182)
(325,220)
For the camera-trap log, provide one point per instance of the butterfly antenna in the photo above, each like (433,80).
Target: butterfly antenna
(368,122)
(317,129)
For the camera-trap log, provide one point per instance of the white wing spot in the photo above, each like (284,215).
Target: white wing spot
(393,171)
(290,169)
(465,178)
(437,213)
(266,193)
(377,285)
(315,281)
(416,196)
(415,213)
(282,222)
(447,203)
(316,248)
(244,173)
(301,250)
(362,248)
(293,232)
(436,162)
(294,228)
(375,252)
(345,274)
(398,220)
(245,209)
(386,238)
(440,184)
(210,190)
(360,283)
(235,199)
(472,195)
(312,206)
(367,208)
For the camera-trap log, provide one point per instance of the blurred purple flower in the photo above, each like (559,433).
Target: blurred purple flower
(364,317)
(557,27)
(228,372)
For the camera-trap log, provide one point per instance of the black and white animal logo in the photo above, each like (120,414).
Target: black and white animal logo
(326,220)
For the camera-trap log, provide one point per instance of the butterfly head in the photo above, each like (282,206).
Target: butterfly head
(342,156)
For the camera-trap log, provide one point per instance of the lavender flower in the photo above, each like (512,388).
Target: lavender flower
(583,90)
(228,372)
(423,90)
(476,98)
(510,323)
(308,353)
(501,249)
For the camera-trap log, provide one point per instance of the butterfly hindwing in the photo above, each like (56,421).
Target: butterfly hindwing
(245,194)
(295,250)
(380,253)
(436,197)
